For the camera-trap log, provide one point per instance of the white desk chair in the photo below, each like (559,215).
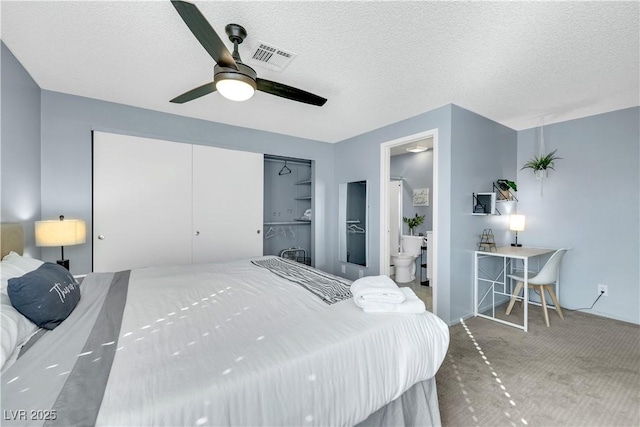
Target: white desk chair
(545,279)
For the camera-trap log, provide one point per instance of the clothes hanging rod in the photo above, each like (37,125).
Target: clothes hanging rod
(300,222)
(288,160)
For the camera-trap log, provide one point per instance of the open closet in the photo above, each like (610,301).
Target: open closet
(288,208)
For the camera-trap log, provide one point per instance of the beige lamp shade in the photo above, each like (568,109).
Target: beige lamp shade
(64,232)
(516,223)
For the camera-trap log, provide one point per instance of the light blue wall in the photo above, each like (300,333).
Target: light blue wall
(20,147)
(416,170)
(482,151)
(591,204)
(472,152)
(358,158)
(67,122)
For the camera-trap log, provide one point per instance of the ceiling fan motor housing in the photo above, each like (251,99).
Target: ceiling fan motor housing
(244,73)
(236,33)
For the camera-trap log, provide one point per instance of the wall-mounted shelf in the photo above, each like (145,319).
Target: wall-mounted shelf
(501,193)
(483,201)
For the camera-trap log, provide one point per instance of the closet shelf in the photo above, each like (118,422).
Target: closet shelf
(304,198)
(303,182)
(295,222)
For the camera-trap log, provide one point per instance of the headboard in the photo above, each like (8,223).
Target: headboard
(11,238)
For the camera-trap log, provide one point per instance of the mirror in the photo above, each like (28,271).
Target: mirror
(353,217)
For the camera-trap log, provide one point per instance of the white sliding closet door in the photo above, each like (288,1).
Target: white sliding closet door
(227,204)
(141,202)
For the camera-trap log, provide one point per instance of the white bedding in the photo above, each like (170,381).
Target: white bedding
(273,354)
(234,344)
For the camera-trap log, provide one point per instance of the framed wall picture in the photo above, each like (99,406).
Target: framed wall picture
(421,197)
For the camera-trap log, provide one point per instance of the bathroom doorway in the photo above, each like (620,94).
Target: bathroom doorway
(409,189)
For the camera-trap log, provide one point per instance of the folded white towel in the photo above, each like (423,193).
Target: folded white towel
(411,305)
(372,289)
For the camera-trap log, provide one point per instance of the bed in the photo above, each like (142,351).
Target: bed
(263,341)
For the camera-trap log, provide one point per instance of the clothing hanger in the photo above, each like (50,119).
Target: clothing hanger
(355,229)
(285,170)
(270,233)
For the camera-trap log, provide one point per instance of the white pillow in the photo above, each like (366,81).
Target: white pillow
(14,327)
(24,263)
(8,272)
(15,265)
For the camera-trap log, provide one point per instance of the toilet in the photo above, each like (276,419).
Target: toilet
(404,262)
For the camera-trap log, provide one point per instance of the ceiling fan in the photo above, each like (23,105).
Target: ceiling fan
(233,79)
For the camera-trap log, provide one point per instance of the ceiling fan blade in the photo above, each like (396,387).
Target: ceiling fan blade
(203,90)
(205,34)
(278,89)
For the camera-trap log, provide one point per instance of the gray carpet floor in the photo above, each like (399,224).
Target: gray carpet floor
(581,371)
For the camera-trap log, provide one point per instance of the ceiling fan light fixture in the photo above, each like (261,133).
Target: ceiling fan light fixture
(234,86)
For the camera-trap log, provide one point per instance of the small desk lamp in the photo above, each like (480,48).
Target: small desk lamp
(63,232)
(516,223)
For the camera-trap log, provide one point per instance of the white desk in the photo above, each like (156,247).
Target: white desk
(507,253)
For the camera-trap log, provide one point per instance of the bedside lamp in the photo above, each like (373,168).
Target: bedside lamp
(516,223)
(62,232)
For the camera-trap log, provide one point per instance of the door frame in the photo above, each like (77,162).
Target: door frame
(400,204)
(385,179)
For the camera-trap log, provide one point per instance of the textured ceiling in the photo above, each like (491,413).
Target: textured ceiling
(518,63)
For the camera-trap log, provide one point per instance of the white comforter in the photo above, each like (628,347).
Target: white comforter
(234,344)
(219,344)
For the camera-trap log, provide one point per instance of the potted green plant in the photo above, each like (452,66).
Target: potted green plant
(504,186)
(413,222)
(541,164)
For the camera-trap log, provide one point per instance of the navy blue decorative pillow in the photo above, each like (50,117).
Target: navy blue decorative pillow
(46,296)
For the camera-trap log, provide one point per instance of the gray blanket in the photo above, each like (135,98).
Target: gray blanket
(64,385)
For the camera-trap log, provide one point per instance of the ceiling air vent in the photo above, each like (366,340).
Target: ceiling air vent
(272,57)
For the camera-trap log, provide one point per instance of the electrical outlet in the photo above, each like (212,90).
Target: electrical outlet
(344,268)
(603,288)
(360,273)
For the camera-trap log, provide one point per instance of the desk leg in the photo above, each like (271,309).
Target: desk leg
(526,293)
(475,286)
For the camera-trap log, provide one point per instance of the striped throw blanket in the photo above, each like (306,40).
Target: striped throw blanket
(327,287)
